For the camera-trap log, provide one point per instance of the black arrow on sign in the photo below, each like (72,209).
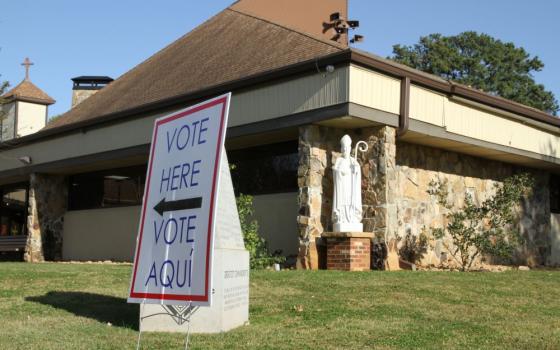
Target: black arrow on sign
(181,204)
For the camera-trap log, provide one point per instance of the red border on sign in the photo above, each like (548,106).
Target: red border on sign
(183,297)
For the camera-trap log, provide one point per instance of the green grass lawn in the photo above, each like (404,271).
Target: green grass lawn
(67,306)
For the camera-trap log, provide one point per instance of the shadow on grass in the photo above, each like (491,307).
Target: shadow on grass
(103,308)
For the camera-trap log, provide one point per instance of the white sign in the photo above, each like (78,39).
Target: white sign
(173,261)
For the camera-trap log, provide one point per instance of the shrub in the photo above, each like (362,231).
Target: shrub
(413,248)
(378,254)
(485,229)
(259,255)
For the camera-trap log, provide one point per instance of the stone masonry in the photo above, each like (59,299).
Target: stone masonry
(379,181)
(47,204)
(395,180)
(417,211)
(319,147)
(79,96)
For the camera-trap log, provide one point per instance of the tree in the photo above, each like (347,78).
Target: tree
(53,118)
(482,62)
(485,229)
(3,86)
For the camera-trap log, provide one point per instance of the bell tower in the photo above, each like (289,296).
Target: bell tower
(24,108)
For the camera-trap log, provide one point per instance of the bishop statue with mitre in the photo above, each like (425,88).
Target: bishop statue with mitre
(347,201)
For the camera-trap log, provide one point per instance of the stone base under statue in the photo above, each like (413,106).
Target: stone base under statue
(348,227)
(348,251)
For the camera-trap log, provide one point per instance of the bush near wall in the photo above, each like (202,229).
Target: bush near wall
(482,230)
(257,246)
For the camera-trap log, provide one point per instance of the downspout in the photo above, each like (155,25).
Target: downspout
(404,107)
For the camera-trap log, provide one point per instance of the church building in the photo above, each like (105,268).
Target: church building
(298,85)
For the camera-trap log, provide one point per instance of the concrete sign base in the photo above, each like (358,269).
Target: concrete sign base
(230,304)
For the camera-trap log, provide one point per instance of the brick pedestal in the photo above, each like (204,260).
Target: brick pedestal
(348,251)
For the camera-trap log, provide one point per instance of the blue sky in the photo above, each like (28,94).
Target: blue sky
(68,38)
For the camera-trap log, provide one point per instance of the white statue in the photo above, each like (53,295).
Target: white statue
(347,202)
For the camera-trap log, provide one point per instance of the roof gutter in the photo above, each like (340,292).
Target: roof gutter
(344,56)
(193,97)
(523,120)
(451,89)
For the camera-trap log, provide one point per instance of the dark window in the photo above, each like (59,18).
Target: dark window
(14,202)
(555,194)
(265,169)
(107,189)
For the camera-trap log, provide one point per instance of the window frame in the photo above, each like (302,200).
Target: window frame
(139,177)
(267,151)
(9,188)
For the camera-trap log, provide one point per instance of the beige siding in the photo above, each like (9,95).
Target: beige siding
(262,103)
(375,90)
(110,234)
(470,121)
(31,118)
(100,234)
(290,97)
(427,106)
(276,215)
(114,136)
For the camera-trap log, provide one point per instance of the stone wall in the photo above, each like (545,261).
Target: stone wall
(319,147)
(79,96)
(379,180)
(48,195)
(316,146)
(417,211)
(395,180)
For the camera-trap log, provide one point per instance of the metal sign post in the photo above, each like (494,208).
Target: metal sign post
(180,314)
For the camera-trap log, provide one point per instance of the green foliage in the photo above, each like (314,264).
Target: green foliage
(413,248)
(58,306)
(54,117)
(3,87)
(483,62)
(485,229)
(254,243)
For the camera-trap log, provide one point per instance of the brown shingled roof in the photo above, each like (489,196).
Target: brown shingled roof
(230,46)
(27,91)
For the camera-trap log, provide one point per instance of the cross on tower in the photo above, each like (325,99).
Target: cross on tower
(27,63)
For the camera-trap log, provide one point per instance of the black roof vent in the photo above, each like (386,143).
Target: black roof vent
(91,82)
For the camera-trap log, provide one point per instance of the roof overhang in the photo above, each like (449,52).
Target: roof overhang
(190,98)
(452,89)
(30,100)
(381,65)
